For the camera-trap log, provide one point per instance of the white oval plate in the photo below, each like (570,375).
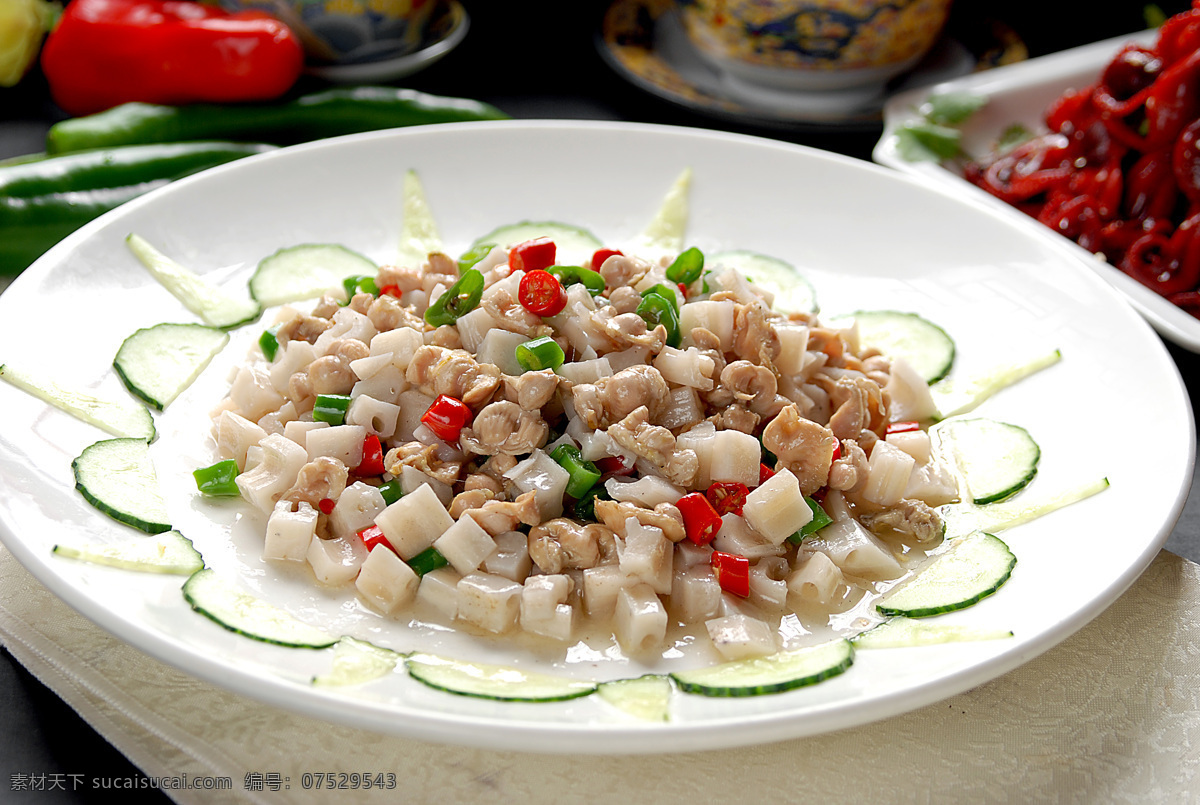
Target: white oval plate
(1020,93)
(867,237)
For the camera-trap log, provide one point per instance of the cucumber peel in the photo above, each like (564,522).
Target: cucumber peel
(954,397)
(215,307)
(775,673)
(497,682)
(356,662)
(645,697)
(995,459)
(902,632)
(212,596)
(169,552)
(118,417)
(305,272)
(158,363)
(963,518)
(971,569)
(117,477)
(418,230)
(666,230)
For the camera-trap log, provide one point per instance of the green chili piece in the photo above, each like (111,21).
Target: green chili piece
(427,560)
(474,255)
(331,408)
(571,275)
(820,520)
(540,353)
(360,283)
(657,309)
(667,292)
(269,344)
(459,299)
(585,508)
(584,474)
(218,479)
(687,266)
(391,491)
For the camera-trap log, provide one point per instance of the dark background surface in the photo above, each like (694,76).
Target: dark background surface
(532,60)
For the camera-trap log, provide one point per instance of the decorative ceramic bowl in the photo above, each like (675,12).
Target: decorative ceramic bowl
(352,31)
(814,44)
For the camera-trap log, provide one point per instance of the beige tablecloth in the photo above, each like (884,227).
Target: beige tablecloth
(1087,722)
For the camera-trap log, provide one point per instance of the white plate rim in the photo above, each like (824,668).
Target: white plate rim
(568,737)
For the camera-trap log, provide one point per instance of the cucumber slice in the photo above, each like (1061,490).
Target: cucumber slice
(995,459)
(924,345)
(213,597)
(904,632)
(215,307)
(306,272)
(793,293)
(775,673)
(118,417)
(158,363)
(418,230)
(117,477)
(646,697)
(169,552)
(964,518)
(668,227)
(574,245)
(955,397)
(356,662)
(974,567)
(497,682)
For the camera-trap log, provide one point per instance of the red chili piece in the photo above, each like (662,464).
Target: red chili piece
(727,497)
(391,290)
(733,573)
(372,535)
(532,255)
(372,459)
(613,465)
(326,505)
(446,417)
(541,293)
(700,520)
(600,255)
(903,427)
(765,472)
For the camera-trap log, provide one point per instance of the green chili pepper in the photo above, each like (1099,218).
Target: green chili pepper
(391,491)
(459,299)
(359,283)
(328,113)
(540,353)
(819,520)
(584,474)
(218,480)
(585,508)
(429,559)
(570,275)
(687,266)
(657,309)
(668,292)
(269,344)
(42,200)
(331,408)
(473,255)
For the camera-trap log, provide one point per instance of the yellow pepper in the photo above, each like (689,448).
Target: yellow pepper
(23,23)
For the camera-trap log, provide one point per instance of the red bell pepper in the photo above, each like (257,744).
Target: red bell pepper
(107,52)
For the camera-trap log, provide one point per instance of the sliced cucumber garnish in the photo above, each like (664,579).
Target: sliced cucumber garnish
(925,346)
(118,417)
(668,227)
(117,477)
(784,670)
(793,293)
(995,459)
(954,396)
(157,363)
(305,272)
(498,682)
(904,632)
(646,697)
(964,518)
(356,662)
(971,569)
(238,611)
(418,230)
(574,245)
(213,305)
(169,552)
